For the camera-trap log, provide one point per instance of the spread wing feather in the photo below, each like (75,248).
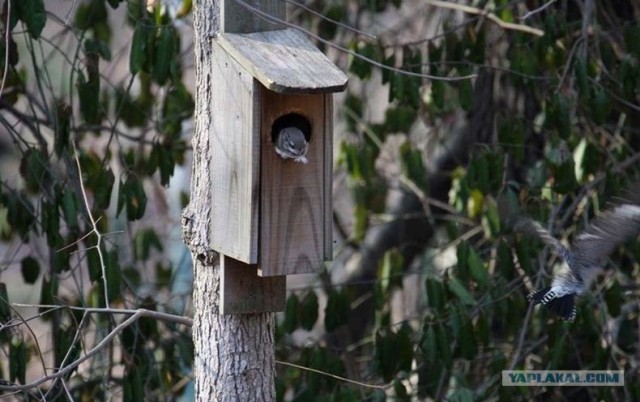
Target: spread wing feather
(606,232)
(532,228)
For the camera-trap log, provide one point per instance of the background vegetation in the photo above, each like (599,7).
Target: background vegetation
(426,296)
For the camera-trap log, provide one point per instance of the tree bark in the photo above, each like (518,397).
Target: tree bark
(233,354)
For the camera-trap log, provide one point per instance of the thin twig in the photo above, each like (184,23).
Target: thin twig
(6,47)
(362,384)
(178,319)
(537,10)
(137,314)
(94,224)
(491,17)
(267,17)
(338,23)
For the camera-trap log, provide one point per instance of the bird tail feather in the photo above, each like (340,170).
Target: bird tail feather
(536,296)
(564,307)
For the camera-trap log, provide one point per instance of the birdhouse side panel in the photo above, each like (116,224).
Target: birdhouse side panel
(236,155)
(292,194)
(328,177)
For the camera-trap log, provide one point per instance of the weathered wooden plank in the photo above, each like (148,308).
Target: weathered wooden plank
(236,159)
(292,201)
(244,292)
(239,19)
(284,61)
(328,177)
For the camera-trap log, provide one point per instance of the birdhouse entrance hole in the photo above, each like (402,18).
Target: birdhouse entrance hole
(291,120)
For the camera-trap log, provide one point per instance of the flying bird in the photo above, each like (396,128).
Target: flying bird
(586,257)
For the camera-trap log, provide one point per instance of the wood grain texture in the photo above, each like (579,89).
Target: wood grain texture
(235,159)
(244,292)
(293,202)
(238,19)
(284,61)
(328,177)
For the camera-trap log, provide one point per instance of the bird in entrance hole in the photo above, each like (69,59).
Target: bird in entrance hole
(586,257)
(291,143)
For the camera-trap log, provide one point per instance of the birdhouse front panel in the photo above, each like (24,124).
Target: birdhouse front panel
(295,195)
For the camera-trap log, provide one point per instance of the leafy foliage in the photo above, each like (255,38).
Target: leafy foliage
(87,139)
(546,127)
(550,134)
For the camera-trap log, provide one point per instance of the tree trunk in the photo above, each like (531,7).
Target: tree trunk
(233,354)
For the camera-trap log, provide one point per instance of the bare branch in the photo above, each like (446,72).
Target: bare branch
(94,224)
(491,17)
(271,18)
(537,10)
(361,384)
(137,314)
(7,38)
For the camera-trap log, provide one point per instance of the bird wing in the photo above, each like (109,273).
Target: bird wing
(606,232)
(530,227)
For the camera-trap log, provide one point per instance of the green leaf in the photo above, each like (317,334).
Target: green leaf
(358,66)
(462,255)
(482,329)
(20,213)
(309,310)
(48,294)
(459,290)
(412,164)
(17,360)
(400,391)
(5,308)
(89,94)
(132,197)
(435,294)
(505,261)
(99,47)
(90,14)
(143,241)
(93,263)
(177,107)
(114,275)
(138,55)
(399,119)
(404,348)
(444,347)
(429,344)
(582,77)
(600,105)
(34,15)
(478,270)
(50,220)
(34,168)
(30,270)
(478,173)
(291,313)
(466,342)
(336,313)
(69,206)
(102,183)
(133,389)
(62,127)
(462,394)
(165,53)
(614,297)
(385,354)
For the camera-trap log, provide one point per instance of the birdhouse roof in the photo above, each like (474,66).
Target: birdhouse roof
(284,61)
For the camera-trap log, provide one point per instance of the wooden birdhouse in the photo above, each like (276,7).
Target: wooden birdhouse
(271,216)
